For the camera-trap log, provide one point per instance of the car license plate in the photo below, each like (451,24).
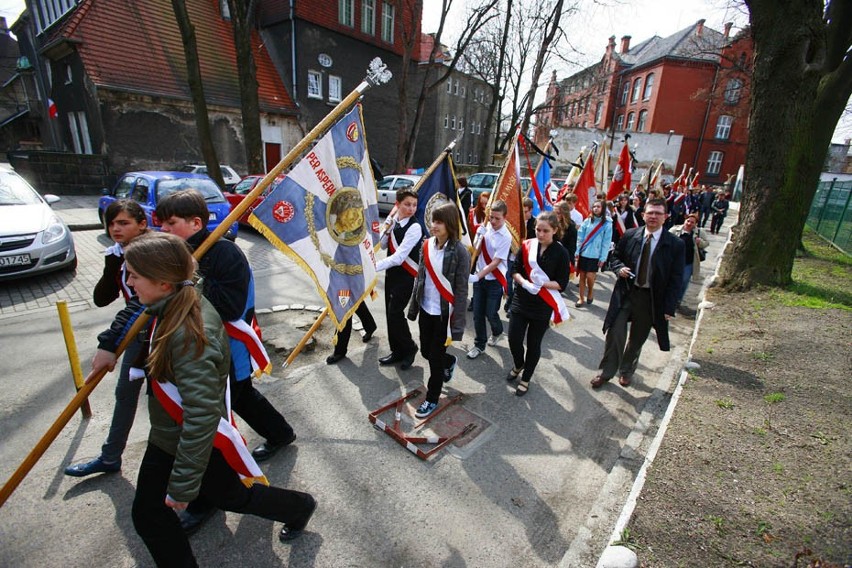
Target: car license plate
(212,216)
(15,260)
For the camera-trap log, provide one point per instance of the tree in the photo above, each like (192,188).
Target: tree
(242,18)
(196,87)
(801,83)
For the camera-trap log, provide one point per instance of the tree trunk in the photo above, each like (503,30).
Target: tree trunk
(242,12)
(552,24)
(496,97)
(802,80)
(196,87)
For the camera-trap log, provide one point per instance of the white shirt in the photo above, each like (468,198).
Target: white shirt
(411,238)
(500,243)
(577,217)
(431,302)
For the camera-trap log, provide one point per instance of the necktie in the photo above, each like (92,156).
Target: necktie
(642,278)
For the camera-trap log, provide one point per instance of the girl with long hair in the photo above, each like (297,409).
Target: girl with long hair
(594,238)
(540,272)
(193,448)
(476,217)
(439,300)
(568,230)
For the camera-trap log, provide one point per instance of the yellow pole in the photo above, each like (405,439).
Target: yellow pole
(71,348)
(377,75)
(304,340)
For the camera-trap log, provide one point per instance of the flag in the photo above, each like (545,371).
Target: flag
(52,109)
(542,180)
(573,175)
(436,188)
(621,177)
(508,189)
(585,188)
(694,184)
(657,180)
(324,215)
(679,182)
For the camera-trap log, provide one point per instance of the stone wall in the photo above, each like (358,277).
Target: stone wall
(62,173)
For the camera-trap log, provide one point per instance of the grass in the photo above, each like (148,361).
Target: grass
(810,287)
(725,403)
(775,397)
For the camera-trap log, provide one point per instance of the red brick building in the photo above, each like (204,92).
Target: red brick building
(693,83)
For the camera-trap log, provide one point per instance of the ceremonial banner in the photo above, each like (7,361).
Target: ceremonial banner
(439,186)
(325,217)
(508,189)
(542,180)
(586,188)
(573,175)
(621,177)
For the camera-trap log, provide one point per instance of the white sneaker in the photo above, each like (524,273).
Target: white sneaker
(494,339)
(474,353)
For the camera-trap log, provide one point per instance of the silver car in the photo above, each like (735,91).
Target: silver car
(388,186)
(33,239)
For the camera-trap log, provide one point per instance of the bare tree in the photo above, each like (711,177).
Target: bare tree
(801,84)
(196,87)
(242,18)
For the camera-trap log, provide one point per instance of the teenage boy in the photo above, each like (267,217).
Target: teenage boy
(402,240)
(228,284)
(576,216)
(489,280)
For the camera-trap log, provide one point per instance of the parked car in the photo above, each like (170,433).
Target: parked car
(479,182)
(236,195)
(33,239)
(388,187)
(148,188)
(229,175)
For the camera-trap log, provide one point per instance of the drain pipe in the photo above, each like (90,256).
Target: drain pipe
(295,93)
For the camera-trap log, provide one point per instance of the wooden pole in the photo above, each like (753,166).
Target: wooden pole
(307,336)
(377,74)
(73,357)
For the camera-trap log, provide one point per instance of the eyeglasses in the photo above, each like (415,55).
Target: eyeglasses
(654,213)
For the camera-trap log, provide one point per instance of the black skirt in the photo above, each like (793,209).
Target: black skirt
(587,264)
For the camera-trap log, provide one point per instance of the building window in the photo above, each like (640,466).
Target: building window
(473,127)
(598,113)
(387,22)
(479,128)
(469,158)
(446,121)
(723,127)
(368,17)
(461,124)
(625,92)
(733,91)
(456,87)
(649,87)
(630,119)
(453,123)
(346,12)
(637,88)
(79,132)
(334,88)
(643,119)
(619,122)
(314,85)
(463,91)
(49,11)
(714,163)
(449,86)
(69,75)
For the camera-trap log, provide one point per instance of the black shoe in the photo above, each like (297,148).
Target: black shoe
(334,358)
(191,521)
(389,359)
(368,336)
(408,361)
(267,449)
(448,372)
(289,532)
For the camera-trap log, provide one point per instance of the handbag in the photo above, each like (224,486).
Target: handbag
(702,252)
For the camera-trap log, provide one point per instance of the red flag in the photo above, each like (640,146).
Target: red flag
(508,189)
(585,188)
(52,110)
(621,177)
(695,181)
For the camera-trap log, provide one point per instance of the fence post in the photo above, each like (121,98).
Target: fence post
(825,205)
(842,217)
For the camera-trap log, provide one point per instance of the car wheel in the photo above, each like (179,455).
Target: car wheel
(103,222)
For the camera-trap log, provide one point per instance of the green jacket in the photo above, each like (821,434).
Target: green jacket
(201,384)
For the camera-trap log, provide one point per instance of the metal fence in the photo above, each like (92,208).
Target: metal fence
(830,215)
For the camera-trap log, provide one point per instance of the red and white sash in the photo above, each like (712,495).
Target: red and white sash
(538,276)
(126,291)
(445,289)
(499,274)
(250,336)
(408,264)
(588,238)
(619,224)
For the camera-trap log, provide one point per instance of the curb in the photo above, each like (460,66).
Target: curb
(84,226)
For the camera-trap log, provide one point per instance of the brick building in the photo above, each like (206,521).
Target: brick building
(693,84)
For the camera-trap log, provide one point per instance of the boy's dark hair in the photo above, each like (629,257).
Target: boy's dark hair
(405,192)
(184,204)
(132,208)
(528,203)
(448,214)
(500,206)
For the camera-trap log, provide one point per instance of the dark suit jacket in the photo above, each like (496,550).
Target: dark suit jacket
(666,278)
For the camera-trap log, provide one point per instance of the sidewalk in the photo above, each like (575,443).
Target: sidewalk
(80,212)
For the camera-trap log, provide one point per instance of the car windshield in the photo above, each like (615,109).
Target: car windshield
(385,183)
(188,169)
(481,180)
(245,186)
(207,188)
(15,191)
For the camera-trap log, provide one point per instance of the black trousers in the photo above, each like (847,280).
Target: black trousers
(363,313)
(534,329)
(159,527)
(433,338)
(258,412)
(636,309)
(398,288)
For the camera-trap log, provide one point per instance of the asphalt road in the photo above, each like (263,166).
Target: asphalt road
(542,483)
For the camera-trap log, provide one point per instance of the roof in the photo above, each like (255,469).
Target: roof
(697,43)
(137,46)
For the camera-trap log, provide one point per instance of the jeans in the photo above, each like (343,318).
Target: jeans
(126,400)
(687,276)
(487,295)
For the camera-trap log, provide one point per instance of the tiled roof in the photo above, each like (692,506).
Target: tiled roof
(685,44)
(137,46)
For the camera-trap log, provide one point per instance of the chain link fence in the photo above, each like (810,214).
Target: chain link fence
(830,215)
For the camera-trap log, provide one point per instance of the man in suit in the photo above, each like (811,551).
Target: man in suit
(649,263)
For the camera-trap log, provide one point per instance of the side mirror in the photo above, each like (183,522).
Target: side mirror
(50,198)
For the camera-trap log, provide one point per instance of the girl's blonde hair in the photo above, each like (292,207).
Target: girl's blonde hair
(564,215)
(162,257)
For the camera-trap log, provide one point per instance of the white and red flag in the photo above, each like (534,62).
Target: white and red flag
(622,175)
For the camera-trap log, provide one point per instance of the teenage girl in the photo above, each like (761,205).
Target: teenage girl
(439,300)
(193,448)
(125,220)
(540,272)
(476,217)
(593,242)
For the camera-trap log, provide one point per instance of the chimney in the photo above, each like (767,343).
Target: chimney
(728,27)
(625,44)
(699,27)
(610,47)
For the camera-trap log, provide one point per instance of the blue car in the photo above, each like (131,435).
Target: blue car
(147,188)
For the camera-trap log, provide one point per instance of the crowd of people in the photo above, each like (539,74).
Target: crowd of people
(201,347)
